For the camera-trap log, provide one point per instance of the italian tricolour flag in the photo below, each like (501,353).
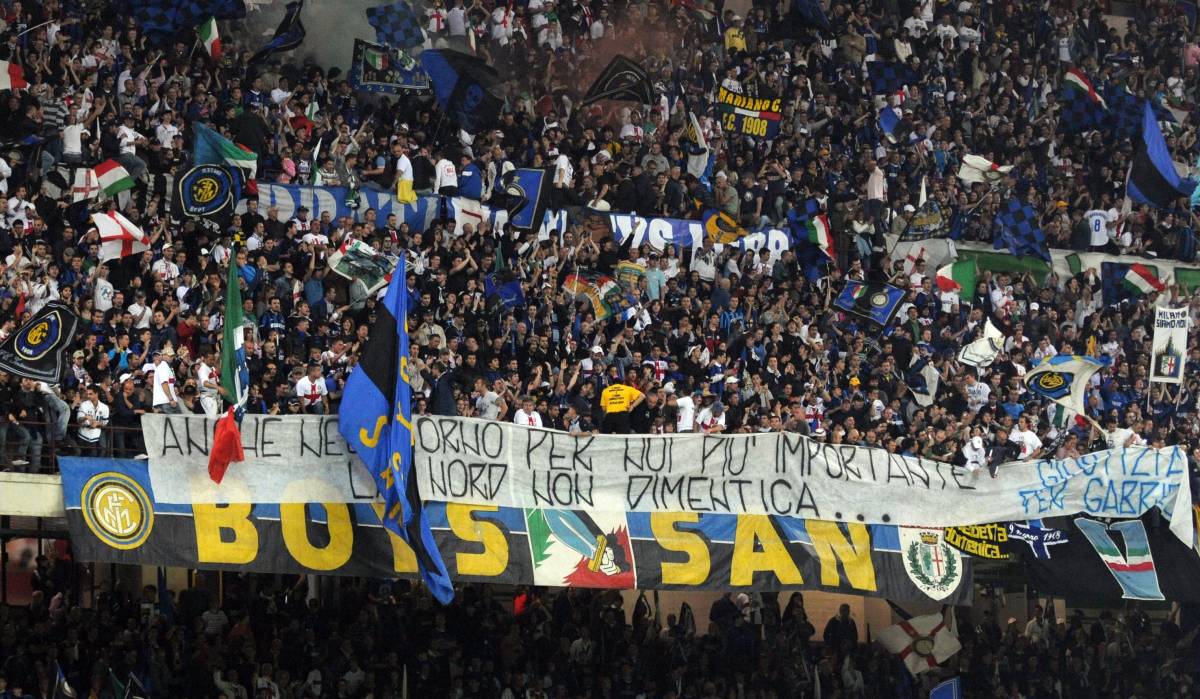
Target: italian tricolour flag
(820,235)
(113,177)
(1076,80)
(1141,280)
(210,38)
(957,276)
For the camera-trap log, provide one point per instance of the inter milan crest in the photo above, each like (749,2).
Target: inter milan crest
(35,350)
(1054,384)
(205,190)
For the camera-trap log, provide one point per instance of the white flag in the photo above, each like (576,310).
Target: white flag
(118,236)
(982,352)
(922,642)
(977,169)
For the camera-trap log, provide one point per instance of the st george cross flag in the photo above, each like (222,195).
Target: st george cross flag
(979,169)
(210,38)
(12,76)
(922,642)
(85,185)
(118,236)
(113,177)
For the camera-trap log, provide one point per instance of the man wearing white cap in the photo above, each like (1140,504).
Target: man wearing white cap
(166,399)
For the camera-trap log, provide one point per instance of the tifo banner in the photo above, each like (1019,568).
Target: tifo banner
(289,459)
(1133,558)
(115,516)
(470,460)
(749,116)
(1170,343)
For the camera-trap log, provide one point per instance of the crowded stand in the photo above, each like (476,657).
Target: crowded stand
(879,219)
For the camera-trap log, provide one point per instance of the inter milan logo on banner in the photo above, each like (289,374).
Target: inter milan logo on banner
(35,350)
(205,190)
(1054,384)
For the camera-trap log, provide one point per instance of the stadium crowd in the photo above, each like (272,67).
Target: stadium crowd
(721,341)
(269,639)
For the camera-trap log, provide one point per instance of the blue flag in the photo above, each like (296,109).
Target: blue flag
(876,302)
(811,12)
(509,292)
(526,192)
(1152,177)
(163,20)
(62,688)
(464,87)
(889,77)
(950,689)
(396,25)
(288,35)
(1018,230)
(379,428)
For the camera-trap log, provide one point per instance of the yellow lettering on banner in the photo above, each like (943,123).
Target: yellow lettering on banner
(748,560)
(372,439)
(404,560)
(693,571)
(493,560)
(293,519)
(855,554)
(211,520)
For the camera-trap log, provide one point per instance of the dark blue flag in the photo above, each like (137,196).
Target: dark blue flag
(810,11)
(288,35)
(62,689)
(874,301)
(379,429)
(163,20)
(464,87)
(526,194)
(1152,177)
(1017,229)
(1080,113)
(888,78)
(396,25)
(509,292)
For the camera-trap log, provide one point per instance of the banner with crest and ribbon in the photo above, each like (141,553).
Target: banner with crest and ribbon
(380,68)
(37,349)
(207,193)
(1170,343)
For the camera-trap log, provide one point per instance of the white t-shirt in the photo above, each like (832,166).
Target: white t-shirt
(141,315)
(128,140)
(1098,220)
(1117,438)
(1027,439)
(404,168)
(166,134)
(975,454)
(707,420)
(563,171)
(163,373)
(977,395)
(310,392)
(97,412)
(103,296)
(531,418)
(686,414)
(446,175)
(72,135)
(488,405)
(456,20)
(205,373)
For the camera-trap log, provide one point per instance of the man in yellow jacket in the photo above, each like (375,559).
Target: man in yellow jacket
(618,401)
(735,36)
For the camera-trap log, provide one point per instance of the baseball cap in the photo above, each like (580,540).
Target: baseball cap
(718,407)
(597,350)
(730,379)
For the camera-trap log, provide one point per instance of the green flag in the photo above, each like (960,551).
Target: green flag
(235,377)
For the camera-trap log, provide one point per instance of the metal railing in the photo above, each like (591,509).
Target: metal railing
(116,442)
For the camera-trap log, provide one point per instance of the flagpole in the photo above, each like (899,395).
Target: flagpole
(36,26)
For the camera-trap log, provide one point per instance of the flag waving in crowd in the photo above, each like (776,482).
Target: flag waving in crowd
(235,379)
(380,431)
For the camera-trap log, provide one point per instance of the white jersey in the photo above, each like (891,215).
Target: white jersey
(1028,440)
(1097,222)
(686,415)
(164,374)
